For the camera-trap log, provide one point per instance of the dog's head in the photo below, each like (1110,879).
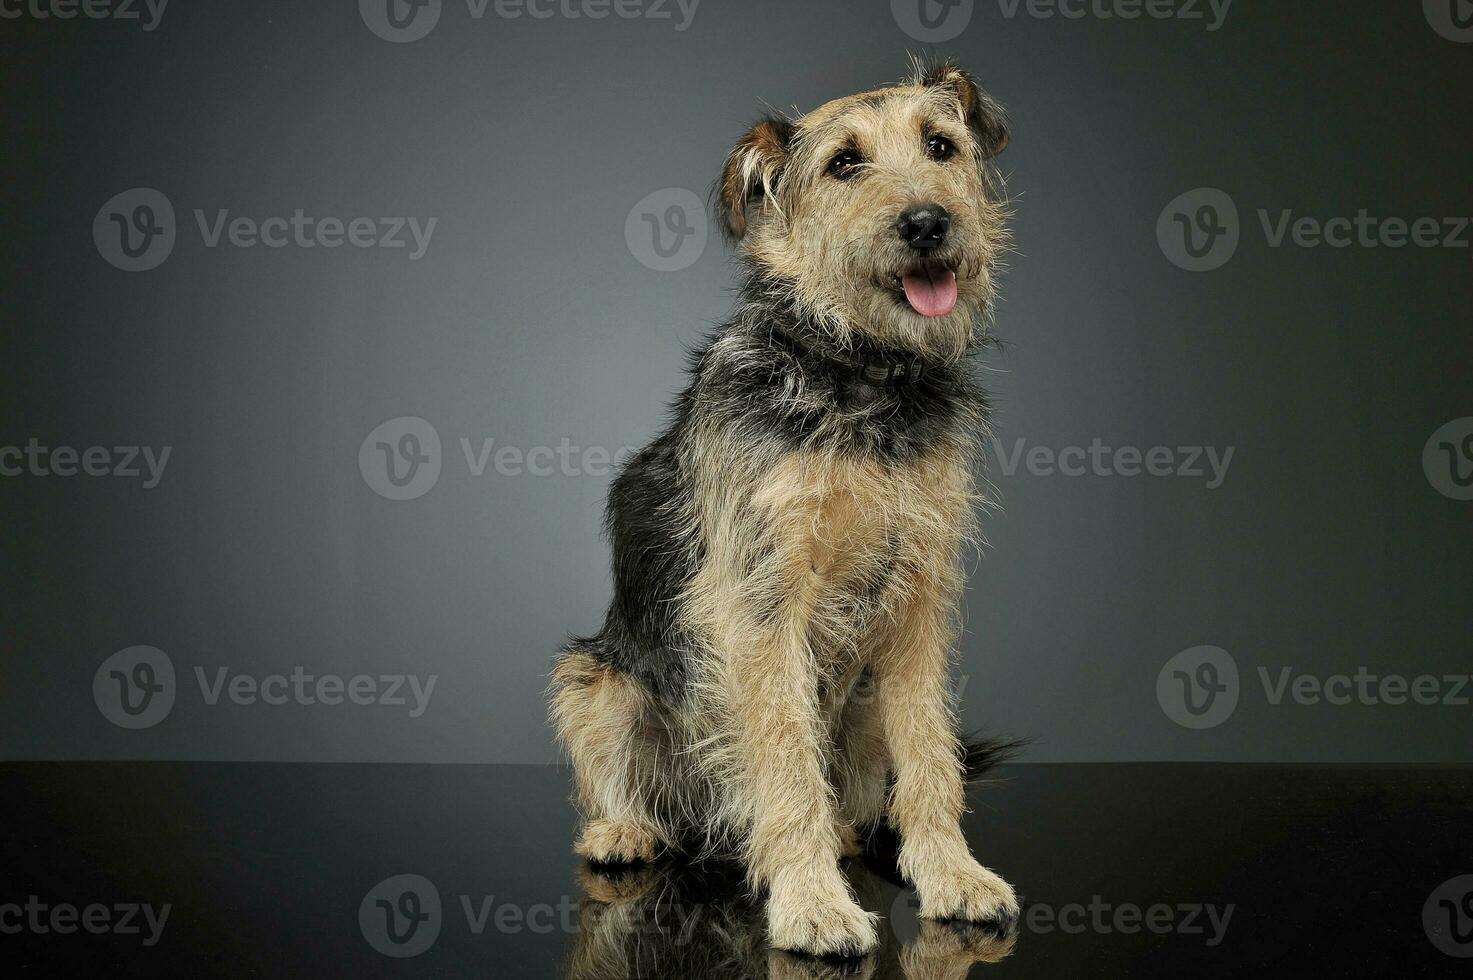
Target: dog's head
(881,214)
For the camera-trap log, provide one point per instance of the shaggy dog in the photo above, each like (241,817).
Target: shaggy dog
(772,675)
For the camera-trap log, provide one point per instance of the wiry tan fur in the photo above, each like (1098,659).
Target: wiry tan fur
(823,610)
(797,598)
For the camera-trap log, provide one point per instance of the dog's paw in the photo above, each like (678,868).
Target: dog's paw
(617,842)
(850,843)
(835,927)
(971,894)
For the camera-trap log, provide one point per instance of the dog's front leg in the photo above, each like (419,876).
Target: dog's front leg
(793,847)
(927,801)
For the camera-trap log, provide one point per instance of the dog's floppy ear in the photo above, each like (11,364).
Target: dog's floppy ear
(983,113)
(752,171)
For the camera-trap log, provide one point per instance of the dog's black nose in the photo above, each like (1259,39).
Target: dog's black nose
(924,226)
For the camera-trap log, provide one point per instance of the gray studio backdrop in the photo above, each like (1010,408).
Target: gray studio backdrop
(323,321)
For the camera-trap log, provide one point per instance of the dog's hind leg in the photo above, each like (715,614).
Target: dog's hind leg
(600,715)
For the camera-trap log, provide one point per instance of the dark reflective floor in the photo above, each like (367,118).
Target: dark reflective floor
(338,871)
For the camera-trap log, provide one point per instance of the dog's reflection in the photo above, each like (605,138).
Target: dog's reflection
(684,922)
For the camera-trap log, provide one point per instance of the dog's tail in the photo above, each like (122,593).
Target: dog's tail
(980,756)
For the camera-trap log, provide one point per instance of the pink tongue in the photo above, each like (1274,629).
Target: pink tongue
(931,293)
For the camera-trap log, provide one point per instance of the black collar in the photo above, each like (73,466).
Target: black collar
(880,367)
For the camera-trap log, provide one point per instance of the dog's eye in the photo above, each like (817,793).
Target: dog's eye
(940,148)
(844,163)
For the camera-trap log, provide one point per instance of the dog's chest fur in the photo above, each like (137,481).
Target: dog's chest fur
(856,523)
(827,543)
(859,537)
